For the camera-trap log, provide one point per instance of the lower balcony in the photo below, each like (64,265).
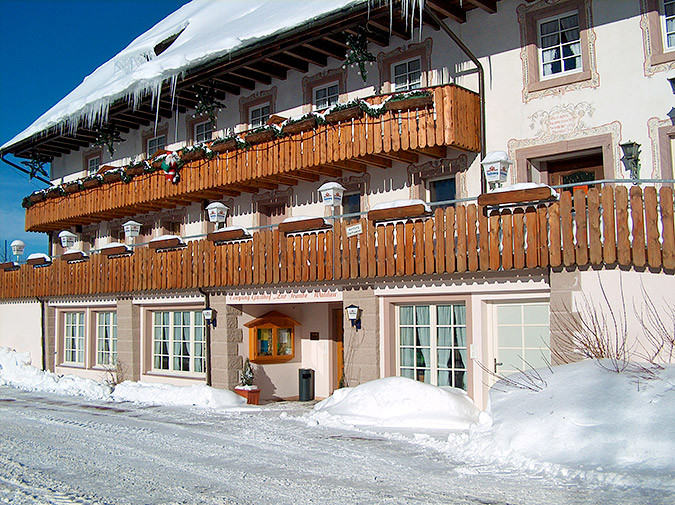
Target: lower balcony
(348,145)
(625,227)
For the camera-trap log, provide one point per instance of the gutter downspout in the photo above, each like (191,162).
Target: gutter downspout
(43,339)
(24,170)
(207,302)
(481,83)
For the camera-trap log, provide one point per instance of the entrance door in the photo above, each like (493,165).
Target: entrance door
(339,347)
(523,338)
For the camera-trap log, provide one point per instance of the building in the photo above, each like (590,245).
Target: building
(447,292)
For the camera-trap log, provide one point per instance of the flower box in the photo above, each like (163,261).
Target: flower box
(303,125)
(9,265)
(115,249)
(258,137)
(520,193)
(225,145)
(134,170)
(252,395)
(166,242)
(410,103)
(39,260)
(192,155)
(401,209)
(54,192)
(295,225)
(94,182)
(72,187)
(37,197)
(70,256)
(347,114)
(228,234)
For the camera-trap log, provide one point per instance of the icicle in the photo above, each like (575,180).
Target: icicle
(174,80)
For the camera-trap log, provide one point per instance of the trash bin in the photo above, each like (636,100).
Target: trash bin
(306,384)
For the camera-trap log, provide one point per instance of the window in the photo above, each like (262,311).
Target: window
(272,338)
(178,341)
(432,344)
(669,24)
(559,45)
(351,204)
(522,337)
(93,165)
(203,131)
(325,96)
(156,143)
(441,190)
(258,116)
(74,337)
(407,75)
(106,338)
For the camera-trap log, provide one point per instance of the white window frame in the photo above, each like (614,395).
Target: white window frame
(664,24)
(430,181)
(152,151)
(74,337)
(96,167)
(524,304)
(407,86)
(106,338)
(330,99)
(541,49)
(433,341)
(196,341)
(259,107)
(206,134)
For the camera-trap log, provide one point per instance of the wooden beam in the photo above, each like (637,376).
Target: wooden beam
(289,61)
(433,152)
(404,156)
(304,175)
(487,5)
(447,11)
(249,73)
(324,170)
(309,55)
(327,48)
(349,165)
(272,70)
(241,82)
(380,26)
(375,161)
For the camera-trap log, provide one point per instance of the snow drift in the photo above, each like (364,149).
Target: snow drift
(398,402)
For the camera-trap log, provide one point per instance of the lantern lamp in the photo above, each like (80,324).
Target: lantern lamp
(631,158)
(17,248)
(217,212)
(496,168)
(68,239)
(331,194)
(132,229)
(354,315)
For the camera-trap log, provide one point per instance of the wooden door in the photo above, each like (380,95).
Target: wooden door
(339,347)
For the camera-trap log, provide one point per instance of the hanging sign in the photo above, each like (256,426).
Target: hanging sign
(353,230)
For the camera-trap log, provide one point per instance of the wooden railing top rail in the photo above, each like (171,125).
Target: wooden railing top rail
(453,121)
(611,226)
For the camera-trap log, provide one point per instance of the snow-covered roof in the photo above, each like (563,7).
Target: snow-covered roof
(207,30)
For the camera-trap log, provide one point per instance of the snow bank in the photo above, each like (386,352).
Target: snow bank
(398,402)
(16,371)
(167,394)
(589,417)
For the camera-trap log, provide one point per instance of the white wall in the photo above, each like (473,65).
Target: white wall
(21,328)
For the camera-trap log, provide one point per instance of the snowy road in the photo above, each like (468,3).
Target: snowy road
(61,450)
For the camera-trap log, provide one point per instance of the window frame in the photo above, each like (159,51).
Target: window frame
(386,61)
(663,18)
(193,342)
(534,80)
(80,341)
(406,62)
(332,84)
(149,151)
(429,192)
(91,155)
(541,49)
(258,107)
(276,322)
(433,347)
(207,135)
(109,326)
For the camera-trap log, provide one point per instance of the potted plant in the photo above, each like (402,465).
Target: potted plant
(408,101)
(72,187)
(227,144)
(344,112)
(246,388)
(305,123)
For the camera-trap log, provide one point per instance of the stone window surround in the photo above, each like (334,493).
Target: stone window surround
(147,341)
(533,82)
(256,100)
(655,26)
(338,75)
(388,330)
(604,141)
(419,175)
(89,154)
(150,133)
(89,335)
(191,122)
(666,134)
(284,197)
(386,60)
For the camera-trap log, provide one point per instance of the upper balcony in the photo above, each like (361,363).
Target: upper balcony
(348,145)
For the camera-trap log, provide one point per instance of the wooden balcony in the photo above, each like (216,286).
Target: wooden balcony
(612,226)
(349,146)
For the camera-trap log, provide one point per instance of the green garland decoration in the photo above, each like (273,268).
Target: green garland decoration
(35,166)
(107,135)
(358,53)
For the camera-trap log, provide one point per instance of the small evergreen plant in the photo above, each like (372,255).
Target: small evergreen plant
(247,374)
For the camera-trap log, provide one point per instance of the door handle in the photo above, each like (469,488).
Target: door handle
(497,364)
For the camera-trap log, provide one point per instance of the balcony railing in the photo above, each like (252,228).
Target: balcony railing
(328,150)
(611,226)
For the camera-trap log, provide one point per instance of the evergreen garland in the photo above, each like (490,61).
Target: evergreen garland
(107,135)
(358,53)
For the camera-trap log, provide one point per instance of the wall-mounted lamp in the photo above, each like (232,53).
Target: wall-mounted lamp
(217,212)
(68,239)
(631,158)
(17,248)
(331,194)
(671,115)
(132,229)
(496,168)
(671,80)
(209,316)
(354,315)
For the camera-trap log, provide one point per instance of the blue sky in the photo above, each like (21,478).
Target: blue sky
(47,47)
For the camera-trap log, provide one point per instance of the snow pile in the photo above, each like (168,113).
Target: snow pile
(589,417)
(16,371)
(520,186)
(395,204)
(397,402)
(167,394)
